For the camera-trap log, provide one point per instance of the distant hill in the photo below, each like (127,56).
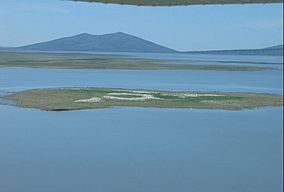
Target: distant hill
(122,42)
(273,51)
(114,42)
(275,47)
(5,48)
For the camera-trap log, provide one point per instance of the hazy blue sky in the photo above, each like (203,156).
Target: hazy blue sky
(182,28)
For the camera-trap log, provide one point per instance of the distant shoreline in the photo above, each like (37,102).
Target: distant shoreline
(93,61)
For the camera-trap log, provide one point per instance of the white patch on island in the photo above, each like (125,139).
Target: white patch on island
(185,95)
(91,100)
(137,96)
(141,96)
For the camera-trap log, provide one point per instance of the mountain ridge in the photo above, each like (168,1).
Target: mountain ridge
(123,42)
(111,42)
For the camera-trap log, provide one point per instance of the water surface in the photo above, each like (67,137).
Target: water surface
(127,149)
(233,81)
(138,149)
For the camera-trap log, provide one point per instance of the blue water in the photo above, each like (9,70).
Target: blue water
(137,149)
(128,149)
(258,81)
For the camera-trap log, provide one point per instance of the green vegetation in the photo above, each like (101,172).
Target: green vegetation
(61,99)
(91,61)
(180,2)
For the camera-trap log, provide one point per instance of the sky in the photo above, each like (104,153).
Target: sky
(184,28)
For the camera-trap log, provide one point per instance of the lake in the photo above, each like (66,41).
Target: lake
(133,149)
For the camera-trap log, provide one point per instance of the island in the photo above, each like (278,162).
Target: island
(66,99)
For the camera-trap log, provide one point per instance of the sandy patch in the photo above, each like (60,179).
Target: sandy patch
(137,96)
(91,100)
(185,95)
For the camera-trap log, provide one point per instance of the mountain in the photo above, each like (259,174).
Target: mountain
(5,48)
(275,47)
(122,42)
(273,51)
(114,42)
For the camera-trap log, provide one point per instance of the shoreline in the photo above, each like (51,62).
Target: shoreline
(85,61)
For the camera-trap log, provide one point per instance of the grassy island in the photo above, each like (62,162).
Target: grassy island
(63,99)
